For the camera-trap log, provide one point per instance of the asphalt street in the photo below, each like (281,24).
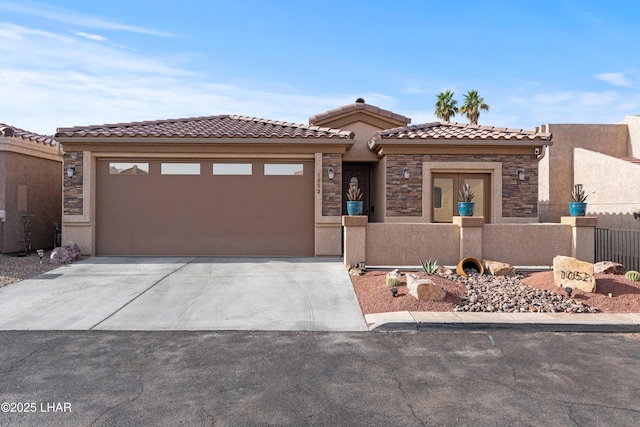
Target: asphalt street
(241,378)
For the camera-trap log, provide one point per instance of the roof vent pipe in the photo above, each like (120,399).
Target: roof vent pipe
(360,100)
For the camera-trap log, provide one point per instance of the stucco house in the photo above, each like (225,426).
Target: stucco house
(605,159)
(30,189)
(235,185)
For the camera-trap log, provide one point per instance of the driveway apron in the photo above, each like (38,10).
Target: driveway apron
(185,293)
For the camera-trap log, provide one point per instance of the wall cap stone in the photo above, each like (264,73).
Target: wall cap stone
(355,221)
(579,221)
(468,221)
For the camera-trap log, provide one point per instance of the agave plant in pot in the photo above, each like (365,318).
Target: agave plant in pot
(578,204)
(466,205)
(354,200)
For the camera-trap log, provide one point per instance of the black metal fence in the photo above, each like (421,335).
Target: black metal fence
(621,246)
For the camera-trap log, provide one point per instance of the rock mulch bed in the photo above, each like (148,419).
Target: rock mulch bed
(509,295)
(16,268)
(526,292)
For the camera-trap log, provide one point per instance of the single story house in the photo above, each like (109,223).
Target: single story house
(235,185)
(30,190)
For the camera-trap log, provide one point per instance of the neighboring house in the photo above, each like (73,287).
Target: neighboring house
(30,189)
(605,159)
(233,185)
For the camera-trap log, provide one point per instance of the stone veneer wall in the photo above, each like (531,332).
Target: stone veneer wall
(404,196)
(519,198)
(72,187)
(332,189)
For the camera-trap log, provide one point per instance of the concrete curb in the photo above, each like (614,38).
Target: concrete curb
(549,322)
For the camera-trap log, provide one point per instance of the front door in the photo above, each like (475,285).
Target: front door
(356,174)
(445,194)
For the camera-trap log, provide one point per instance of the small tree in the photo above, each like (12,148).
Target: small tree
(446,106)
(473,103)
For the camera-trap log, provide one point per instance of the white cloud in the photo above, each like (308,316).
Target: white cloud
(88,36)
(52,81)
(616,79)
(70,17)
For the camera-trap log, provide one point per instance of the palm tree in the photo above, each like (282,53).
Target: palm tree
(472,106)
(446,106)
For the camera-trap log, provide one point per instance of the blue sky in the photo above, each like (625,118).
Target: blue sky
(73,63)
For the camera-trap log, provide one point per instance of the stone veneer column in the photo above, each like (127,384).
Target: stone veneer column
(583,242)
(470,236)
(72,186)
(332,188)
(404,196)
(355,238)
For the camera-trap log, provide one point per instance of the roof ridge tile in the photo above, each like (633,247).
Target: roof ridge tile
(221,126)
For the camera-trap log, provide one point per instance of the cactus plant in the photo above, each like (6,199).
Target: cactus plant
(578,195)
(466,194)
(633,275)
(430,267)
(354,193)
(393,282)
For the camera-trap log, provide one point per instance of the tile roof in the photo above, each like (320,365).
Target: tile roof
(11,131)
(459,131)
(356,106)
(223,126)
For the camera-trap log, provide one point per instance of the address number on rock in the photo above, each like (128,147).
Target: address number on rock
(576,275)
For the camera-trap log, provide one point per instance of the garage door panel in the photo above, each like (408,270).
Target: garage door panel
(204,214)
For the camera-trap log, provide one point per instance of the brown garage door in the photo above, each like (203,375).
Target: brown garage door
(165,207)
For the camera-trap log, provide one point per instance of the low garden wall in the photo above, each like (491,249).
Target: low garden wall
(407,244)
(404,244)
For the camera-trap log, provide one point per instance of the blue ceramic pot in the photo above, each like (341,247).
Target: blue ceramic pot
(354,207)
(466,208)
(577,208)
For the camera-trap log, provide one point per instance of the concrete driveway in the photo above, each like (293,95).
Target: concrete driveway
(185,293)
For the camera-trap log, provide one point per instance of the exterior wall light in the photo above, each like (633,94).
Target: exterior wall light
(71,171)
(331,173)
(520,174)
(405,173)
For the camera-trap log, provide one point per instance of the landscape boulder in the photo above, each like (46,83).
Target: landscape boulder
(573,273)
(444,271)
(65,254)
(354,270)
(497,268)
(424,289)
(608,267)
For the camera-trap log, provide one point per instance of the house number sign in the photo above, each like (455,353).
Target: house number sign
(318,184)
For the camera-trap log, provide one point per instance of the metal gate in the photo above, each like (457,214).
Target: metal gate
(622,246)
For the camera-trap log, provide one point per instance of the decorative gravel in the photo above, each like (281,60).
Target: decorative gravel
(509,295)
(16,268)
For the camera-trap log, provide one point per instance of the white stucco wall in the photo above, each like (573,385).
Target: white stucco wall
(609,139)
(615,183)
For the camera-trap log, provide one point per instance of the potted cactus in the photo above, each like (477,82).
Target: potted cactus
(354,200)
(466,205)
(578,204)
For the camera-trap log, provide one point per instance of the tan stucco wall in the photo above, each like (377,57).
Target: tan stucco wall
(609,139)
(407,244)
(378,195)
(615,183)
(526,244)
(360,151)
(41,178)
(633,124)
